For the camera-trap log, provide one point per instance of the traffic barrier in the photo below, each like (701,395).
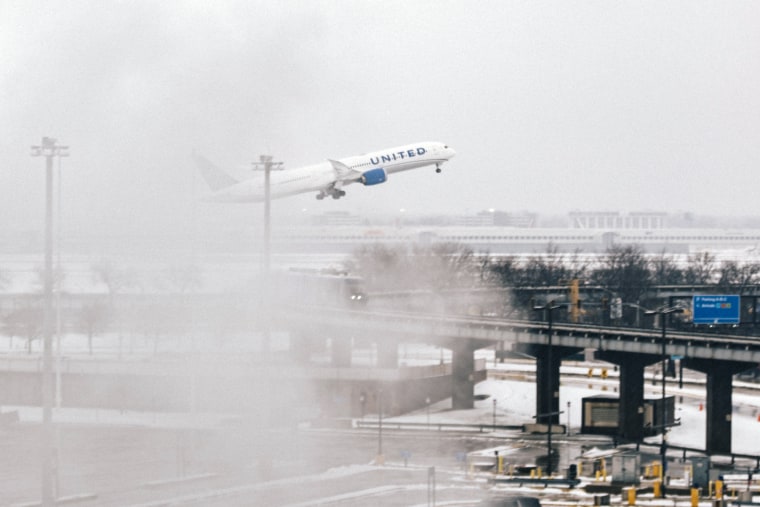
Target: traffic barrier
(719,489)
(631,496)
(694,497)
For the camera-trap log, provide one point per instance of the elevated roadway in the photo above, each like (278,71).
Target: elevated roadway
(718,356)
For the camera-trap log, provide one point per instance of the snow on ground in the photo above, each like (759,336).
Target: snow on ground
(514,399)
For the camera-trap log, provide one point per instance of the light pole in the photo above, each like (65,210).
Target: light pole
(49,150)
(663,313)
(379,460)
(494,415)
(549,411)
(265,162)
(568,418)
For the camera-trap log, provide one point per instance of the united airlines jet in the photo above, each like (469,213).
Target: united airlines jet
(326,178)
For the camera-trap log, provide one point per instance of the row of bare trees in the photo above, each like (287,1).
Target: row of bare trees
(624,271)
(622,268)
(24,317)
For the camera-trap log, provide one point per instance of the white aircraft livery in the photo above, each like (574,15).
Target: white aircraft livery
(326,178)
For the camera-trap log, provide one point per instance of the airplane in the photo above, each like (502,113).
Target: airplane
(326,178)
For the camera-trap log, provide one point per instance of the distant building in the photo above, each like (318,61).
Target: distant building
(493,218)
(617,221)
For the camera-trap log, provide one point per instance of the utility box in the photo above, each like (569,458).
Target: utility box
(626,469)
(700,471)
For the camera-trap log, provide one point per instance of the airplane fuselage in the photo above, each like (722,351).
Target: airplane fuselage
(329,176)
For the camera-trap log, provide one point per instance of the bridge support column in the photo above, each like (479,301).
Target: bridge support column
(631,407)
(387,353)
(340,352)
(719,406)
(462,375)
(547,391)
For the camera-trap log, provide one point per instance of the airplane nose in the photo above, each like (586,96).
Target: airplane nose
(449,152)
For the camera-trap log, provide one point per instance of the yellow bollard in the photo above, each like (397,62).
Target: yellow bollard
(532,473)
(580,468)
(657,489)
(597,474)
(710,489)
(694,497)
(719,489)
(500,467)
(631,496)
(538,472)
(647,471)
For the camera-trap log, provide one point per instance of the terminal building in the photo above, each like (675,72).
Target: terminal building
(613,220)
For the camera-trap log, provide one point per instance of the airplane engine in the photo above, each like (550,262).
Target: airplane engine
(374,176)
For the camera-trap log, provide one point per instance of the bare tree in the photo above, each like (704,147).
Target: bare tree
(58,279)
(26,322)
(737,277)
(625,271)
(548,269)
(115,279)
(665,270)
(416,266)
(701,269)
(506,271)
(93,317)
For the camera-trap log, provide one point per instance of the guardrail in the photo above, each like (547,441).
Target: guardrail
(474,428)
(490,329)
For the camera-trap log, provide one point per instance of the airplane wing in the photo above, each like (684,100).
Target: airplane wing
(343,173)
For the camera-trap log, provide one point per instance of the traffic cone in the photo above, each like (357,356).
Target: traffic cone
(701,407)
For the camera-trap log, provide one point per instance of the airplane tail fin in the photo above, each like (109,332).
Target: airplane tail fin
(215,178)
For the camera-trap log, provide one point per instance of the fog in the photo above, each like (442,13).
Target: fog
(551,106)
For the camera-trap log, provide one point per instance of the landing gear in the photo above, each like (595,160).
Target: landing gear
(333,192)
(438,168)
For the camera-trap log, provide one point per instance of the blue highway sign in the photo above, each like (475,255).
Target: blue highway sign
(718,309)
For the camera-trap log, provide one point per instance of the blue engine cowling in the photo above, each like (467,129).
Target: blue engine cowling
(374,176)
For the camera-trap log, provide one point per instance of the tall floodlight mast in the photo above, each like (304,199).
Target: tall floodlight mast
(48,149)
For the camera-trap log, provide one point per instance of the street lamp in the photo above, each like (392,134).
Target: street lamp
(379,460)
(663,313)
(427,404)
(48,149)
(549,411)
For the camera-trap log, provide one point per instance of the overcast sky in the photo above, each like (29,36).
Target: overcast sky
(551,106)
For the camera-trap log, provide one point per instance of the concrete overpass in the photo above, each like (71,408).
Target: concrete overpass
(718,356)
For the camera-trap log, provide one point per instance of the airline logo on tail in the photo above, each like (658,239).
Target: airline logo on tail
(325,178)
